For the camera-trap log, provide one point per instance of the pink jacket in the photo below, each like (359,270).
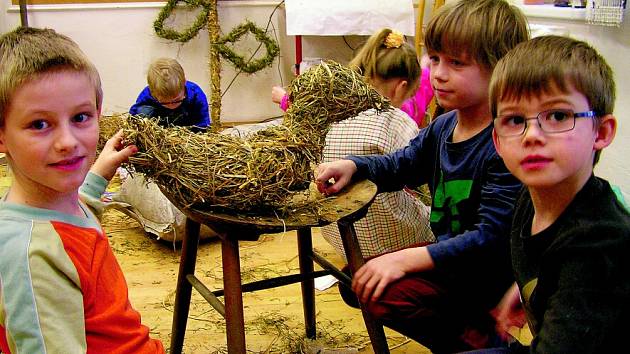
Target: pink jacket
(416,106)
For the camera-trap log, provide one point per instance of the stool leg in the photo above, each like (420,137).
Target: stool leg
(305,248)
(184,288)
(355,261)
(235,323)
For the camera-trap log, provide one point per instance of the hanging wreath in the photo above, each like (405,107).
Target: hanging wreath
(239,61)
(226,51)
(191,31)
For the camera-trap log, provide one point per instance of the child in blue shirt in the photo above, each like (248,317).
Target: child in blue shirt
(440,294)
(171,98)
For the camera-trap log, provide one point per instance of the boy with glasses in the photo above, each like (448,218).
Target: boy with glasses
(553,99)
(171,98)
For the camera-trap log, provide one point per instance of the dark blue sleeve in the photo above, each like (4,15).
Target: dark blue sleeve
(147,111)
(199,102)
(144,99)
(490,235)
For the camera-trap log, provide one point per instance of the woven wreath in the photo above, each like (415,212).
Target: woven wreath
(188,33)
(239,61)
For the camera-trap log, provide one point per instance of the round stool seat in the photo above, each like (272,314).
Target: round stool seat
(331,209)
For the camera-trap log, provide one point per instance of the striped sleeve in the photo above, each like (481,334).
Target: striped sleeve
(41,299)
(91,190)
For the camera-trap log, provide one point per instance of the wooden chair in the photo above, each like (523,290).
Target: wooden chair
(344,209)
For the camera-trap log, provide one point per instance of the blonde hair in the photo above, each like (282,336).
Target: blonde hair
(553,62)
(482,29)
(28,53)
(376,59)
(166,78)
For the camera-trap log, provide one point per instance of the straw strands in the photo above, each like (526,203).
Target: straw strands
(262,173)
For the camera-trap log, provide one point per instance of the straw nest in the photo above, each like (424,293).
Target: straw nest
(263,173)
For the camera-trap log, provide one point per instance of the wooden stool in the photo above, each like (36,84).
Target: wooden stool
(344,208)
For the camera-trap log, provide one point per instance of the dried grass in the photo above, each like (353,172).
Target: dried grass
(260,174)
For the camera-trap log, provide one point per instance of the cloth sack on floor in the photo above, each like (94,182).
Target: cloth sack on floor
(150,207)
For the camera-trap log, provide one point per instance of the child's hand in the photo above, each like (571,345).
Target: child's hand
(341,171)
(277,93)
(370,281)
(509,313)
(112,156)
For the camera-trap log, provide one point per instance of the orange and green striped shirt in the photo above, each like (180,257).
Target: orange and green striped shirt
(61,288)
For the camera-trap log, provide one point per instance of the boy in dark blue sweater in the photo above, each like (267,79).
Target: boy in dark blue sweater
(440,294)
(171,98)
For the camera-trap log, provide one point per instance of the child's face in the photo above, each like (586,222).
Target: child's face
(172,102)
(458,82)
(50,133)
(548,161)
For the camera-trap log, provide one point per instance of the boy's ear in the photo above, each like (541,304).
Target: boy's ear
(605,132)
(497,143)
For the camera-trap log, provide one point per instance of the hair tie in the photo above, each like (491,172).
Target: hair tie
(394,39)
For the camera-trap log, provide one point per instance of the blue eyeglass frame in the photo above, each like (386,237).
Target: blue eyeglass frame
(585,114)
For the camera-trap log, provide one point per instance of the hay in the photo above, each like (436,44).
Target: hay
(289,338)
(262,173)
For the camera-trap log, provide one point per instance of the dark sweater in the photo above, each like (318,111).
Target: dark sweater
(472,205)
(574,276)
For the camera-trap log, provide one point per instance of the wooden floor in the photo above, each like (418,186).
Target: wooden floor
(273,317)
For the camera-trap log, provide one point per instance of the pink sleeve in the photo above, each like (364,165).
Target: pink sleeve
(4,344)
(416,106)
(284,103)
(425,91)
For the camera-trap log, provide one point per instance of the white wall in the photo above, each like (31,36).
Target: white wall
(121,42)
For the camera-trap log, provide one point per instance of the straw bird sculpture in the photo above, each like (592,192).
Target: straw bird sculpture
(261,173)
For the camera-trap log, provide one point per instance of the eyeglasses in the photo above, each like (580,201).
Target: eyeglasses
(551,121)
(173,102)
(177,101)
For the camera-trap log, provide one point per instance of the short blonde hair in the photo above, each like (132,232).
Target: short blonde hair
(554,62)
(482,29)
(378,60)
(28,53)
(166,78)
